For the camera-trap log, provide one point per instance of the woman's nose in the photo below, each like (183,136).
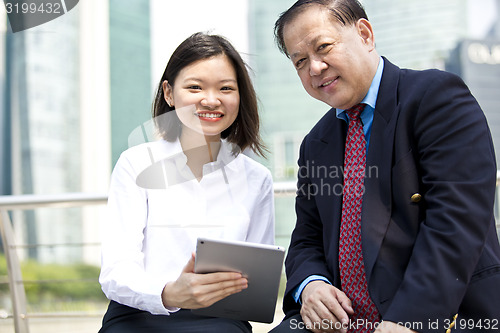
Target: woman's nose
(210,100)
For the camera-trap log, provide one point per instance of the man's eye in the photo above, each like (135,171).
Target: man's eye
(299,63)
(323,46)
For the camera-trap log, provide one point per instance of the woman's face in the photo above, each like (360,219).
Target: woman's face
(205,96)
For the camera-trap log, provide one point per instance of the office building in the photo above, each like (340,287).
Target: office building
(130,70)
(73,89)
(477,62)
(42,94)
(5,168)
(288,112)
(417,34)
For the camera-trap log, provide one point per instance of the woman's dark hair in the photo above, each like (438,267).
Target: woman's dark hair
(344,11)
(244,132)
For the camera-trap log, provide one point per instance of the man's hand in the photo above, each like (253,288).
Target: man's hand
(323,303)
(390,327)
(194,291)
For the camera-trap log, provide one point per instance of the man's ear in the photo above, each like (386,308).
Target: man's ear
(365,31)
(168,93)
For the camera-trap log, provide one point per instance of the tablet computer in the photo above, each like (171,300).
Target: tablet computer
(261,264)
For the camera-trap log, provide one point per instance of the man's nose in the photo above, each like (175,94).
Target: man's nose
(317,66)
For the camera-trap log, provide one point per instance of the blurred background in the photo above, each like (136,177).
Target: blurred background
(74,88)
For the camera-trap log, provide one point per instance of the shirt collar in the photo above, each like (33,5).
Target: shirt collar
(371,97)
(227,153)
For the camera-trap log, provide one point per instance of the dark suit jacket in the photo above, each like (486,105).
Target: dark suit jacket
(425,261)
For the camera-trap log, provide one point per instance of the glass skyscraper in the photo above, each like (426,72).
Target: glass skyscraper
(73,89)
(288,112)
(130,70)
(42,110)
(417,34)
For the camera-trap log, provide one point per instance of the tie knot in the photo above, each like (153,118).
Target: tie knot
(355,111)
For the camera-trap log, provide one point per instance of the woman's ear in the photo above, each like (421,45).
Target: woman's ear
(168,93)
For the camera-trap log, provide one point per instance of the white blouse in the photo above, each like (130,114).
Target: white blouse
(157,210)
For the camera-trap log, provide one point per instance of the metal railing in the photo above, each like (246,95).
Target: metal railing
(14,275)
(25,202)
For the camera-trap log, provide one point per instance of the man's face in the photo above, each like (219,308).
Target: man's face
(335,63)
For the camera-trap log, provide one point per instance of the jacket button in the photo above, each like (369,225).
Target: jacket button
(416,197)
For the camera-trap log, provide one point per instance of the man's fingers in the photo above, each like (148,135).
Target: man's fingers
(327,316)
(313,312)
(310,320)
(340,306)
(336,306)
(323,303)
(344,301)
(316,309)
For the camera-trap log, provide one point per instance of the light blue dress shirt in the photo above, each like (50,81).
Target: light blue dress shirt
(367,119)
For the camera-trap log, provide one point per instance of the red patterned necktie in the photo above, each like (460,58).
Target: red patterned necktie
(352,268)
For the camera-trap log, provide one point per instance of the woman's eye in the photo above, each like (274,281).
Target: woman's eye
(227,88)
(194,87)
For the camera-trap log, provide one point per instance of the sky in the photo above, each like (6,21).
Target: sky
(482,14)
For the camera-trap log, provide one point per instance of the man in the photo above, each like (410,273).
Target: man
(410,245)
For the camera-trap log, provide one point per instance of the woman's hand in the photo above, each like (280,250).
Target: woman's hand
(194,291)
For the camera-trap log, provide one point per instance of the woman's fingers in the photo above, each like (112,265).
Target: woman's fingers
(192,291)
(189,268)
(208,294)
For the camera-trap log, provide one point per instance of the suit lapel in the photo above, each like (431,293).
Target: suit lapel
(328,151)
(376,212)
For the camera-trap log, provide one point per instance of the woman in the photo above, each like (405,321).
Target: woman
(192,182)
